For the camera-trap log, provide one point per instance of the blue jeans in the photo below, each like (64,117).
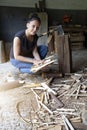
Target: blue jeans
(25,67)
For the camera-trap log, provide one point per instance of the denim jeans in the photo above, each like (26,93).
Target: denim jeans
(25,67)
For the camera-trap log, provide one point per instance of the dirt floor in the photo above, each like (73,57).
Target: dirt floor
(22,105)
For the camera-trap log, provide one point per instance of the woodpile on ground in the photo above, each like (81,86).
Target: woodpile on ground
(50,103)
(53,109)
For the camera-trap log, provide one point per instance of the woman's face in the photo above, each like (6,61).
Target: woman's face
(33,27)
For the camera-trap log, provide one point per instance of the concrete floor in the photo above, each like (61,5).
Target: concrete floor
(19,98)
(79,59)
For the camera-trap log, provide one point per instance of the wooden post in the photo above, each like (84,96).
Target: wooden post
(50,43)
(64,54)
(2,52)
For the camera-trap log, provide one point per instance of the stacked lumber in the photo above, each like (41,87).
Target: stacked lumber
(77,40)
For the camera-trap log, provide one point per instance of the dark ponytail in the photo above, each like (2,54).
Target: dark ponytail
(34,17)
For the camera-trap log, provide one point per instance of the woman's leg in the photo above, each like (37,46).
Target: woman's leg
(42,49)
(26,67)
(22,66)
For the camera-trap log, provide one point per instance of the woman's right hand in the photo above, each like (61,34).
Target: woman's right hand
(37,62)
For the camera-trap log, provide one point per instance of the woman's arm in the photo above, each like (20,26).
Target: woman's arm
(16,51)
(36,56)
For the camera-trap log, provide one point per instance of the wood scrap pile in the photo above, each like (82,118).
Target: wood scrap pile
(47,61)
(51,97)
(52,112)
(78,88)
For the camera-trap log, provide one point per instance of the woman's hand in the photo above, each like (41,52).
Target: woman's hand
(37,62)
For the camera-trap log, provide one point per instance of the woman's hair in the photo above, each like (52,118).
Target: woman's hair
(33,17)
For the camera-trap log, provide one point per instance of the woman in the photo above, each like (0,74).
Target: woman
(25,52)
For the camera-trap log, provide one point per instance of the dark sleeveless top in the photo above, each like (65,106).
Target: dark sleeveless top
(26,45)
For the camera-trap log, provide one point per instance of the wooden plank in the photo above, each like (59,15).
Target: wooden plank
(50,127)
(50,43)
(78,38)
(56,41)
(2,52)
(64,54)
(56,127)
(67,55)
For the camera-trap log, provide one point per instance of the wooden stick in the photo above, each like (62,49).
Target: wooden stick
(58,102)
(37,97)
(52,93)
(68,80)
(62,85)
(42,97)
(49,38)
(48,88)
(73,90)
(66,126)
(77,91)
(65,109)
(35,93)
(45,98)
(49,81)
(62,94)
(35,68)
(49,57)
(76,119)
(83,91)
(46,107)
(80,95)
(69,113)
(68,123)
(39,88)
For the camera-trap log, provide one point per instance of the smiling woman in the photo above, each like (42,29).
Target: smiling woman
(25,52)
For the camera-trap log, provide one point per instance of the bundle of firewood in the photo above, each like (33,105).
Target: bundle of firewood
(47,61)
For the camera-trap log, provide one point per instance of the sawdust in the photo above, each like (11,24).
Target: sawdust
(16,104)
